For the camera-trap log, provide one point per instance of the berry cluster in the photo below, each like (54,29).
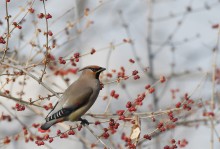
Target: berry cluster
(2,40)
(114,94)
(176,144)
(113,126)
(19,107)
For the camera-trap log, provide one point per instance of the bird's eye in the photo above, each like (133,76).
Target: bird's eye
(93,69)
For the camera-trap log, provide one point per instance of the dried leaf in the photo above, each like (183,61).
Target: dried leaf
(135,133)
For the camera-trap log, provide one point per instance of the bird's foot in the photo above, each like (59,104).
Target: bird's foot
(84,122)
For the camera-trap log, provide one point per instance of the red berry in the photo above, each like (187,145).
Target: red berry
(166,147)
(2,41)
(148,137)
(162,79)
(120,112)
(97,123)
(31,10)
(105,135)
(173,141)
(58,132)
(71,132)
(48,16)
(151,90)
(112,93)
(160,124)
(51,140)
(76,55)
(215,26)
(92,51)
(128,105)
(147,86)
(116,96)
(50,33)
(40,15)
(178,105)
(131,61)
(135,72)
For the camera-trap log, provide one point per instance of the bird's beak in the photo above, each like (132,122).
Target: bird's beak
(102,69)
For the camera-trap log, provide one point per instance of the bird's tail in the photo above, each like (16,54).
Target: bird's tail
(47,125)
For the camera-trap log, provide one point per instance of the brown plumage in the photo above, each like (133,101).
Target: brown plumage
(77,99)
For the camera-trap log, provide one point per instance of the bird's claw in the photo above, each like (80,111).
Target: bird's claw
(84,122)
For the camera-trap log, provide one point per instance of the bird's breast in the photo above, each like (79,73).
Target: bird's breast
(95,85)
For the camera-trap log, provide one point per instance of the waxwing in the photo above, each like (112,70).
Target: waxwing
(77,98)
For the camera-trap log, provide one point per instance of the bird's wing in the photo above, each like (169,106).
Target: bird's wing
(73,101)
(64,98)
(78,98)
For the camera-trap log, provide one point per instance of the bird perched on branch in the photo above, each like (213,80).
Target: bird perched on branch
(77,99)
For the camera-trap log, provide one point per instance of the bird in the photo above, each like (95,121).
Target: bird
(77,98)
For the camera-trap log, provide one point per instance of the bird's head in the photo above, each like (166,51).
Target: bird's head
(92,71)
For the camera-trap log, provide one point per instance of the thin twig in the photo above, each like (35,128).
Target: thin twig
(19,100)
(47,42)
(34,77)
(8,30)
(98,138)
(213,89)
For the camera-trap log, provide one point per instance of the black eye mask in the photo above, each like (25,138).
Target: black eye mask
(95,69)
